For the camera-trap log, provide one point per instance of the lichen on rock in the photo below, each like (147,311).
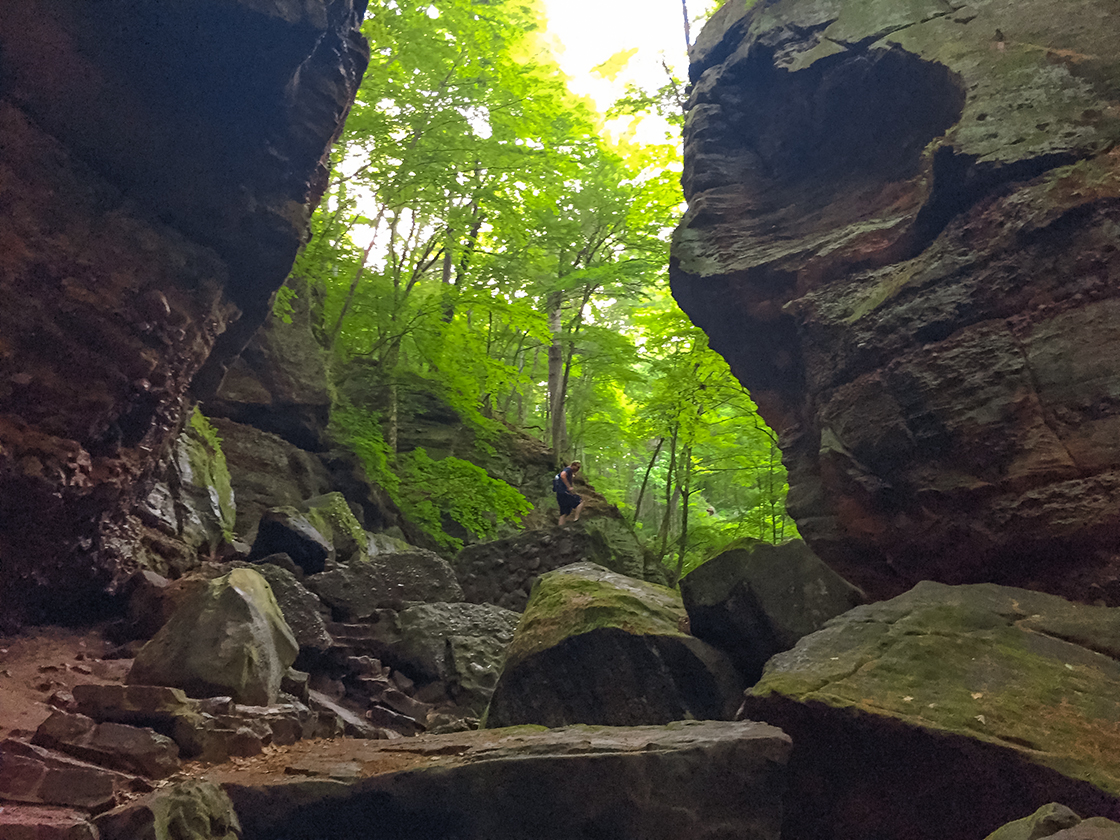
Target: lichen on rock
(901,235)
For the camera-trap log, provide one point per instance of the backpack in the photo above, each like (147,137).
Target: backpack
(558,485)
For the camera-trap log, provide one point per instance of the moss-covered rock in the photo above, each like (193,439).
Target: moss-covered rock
(598,647)
(229,638)
(191,810)
(1051,819)
(190,512)
(968,683)
(332,516)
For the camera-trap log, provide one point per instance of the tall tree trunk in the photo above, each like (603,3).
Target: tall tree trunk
(559,429)
(645,479)
(666,520)
(392,414)
(687,27)
(337,329)
(686,491)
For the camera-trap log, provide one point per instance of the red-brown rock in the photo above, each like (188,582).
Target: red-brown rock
(902,235)
(158,165)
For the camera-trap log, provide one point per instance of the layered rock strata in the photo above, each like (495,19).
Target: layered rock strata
(158,165)
(902,234)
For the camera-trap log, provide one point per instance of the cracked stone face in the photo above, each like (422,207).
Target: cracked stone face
(902,234)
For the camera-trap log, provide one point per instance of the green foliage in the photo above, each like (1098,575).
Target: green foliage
(282,307)
(359,431)
(457,489)
(202,427)
(480,240)
(209,466)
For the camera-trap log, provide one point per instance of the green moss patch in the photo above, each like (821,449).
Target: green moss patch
(585,597)
(996,664)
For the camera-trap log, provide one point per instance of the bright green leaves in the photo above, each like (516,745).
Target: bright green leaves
(479,240)
(457,489)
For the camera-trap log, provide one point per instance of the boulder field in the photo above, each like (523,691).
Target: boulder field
(902,234)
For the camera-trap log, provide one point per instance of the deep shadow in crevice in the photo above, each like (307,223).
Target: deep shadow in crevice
(849,120)
(959,182)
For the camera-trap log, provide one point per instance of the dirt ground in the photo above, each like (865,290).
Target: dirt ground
(42,660)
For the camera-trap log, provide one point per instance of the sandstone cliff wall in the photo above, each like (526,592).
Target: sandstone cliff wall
(158,165)
(903,232)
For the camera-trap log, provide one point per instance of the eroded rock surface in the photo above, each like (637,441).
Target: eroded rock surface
(994,699)
(158,166)
(702,780)
(902,234)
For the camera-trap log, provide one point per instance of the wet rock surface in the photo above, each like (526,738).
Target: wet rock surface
(901,234)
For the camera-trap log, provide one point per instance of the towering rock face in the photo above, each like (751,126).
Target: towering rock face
(158,164)
(903,233)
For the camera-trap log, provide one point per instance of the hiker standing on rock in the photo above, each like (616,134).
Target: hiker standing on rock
(570,502)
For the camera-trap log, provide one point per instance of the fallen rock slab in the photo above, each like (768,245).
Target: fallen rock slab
(947,712)
(129,748)
(39,776)
(37,822)
(700,780)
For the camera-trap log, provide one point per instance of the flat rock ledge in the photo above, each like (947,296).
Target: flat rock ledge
(695,779)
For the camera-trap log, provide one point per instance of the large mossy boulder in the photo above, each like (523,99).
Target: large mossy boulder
(755,599)
(228,638)
(600,648)
(947,712)
(1058,821)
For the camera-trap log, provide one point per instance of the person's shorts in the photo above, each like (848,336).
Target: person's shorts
(568,502)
